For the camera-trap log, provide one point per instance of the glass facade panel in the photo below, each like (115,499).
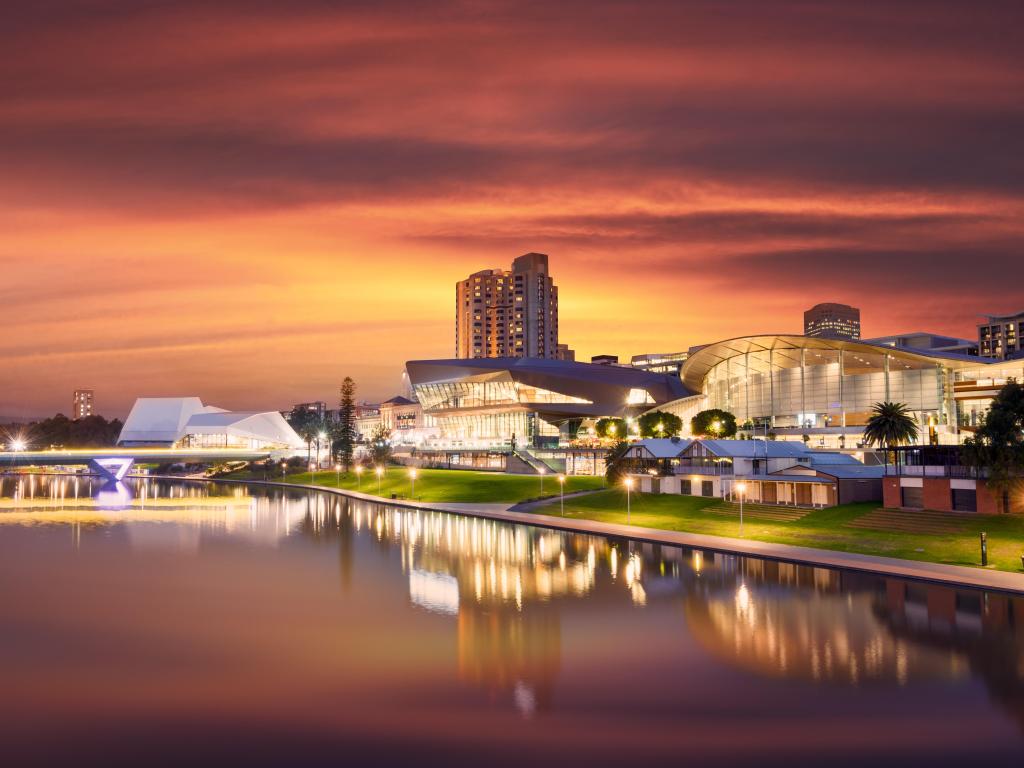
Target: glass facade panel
(823,388)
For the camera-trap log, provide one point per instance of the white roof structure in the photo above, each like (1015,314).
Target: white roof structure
(167,420)
(658,447)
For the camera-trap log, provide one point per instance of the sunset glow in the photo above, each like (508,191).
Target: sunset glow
(286,194)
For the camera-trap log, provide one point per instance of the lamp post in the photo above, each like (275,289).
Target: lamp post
(412,479)
(542,472)
(379,471)
(561,488)
(284,468)
(629,487)
(742,488)
(359,477)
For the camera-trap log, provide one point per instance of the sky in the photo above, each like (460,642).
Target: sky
(248,201)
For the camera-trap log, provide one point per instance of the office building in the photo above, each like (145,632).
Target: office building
(81,404)
(508,313)
(999,336)
(836,321)
(660,362)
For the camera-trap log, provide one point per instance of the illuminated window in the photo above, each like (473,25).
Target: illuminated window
(639,397)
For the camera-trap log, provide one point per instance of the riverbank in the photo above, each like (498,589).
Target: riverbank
(984,578)
(437,485)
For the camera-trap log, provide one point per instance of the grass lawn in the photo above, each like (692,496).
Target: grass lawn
(442,485)
(824,528)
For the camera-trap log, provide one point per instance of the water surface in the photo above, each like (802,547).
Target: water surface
(174,623)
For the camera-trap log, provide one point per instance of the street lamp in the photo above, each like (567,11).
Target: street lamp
(716,426)
(742,488)
(629,487)
(359,477)
(542,472)
(337,480)
(561,484)
(284,468)
(379,471)
(412,478)
(17,444)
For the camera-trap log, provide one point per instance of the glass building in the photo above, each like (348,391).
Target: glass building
(826,387)
(535,402)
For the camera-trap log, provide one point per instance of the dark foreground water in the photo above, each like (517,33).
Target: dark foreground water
(188,624)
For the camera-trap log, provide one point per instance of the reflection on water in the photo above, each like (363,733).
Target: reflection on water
(474,634)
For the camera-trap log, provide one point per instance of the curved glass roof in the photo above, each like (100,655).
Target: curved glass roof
(697,366)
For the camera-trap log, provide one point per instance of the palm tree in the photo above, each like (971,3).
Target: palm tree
(890,424)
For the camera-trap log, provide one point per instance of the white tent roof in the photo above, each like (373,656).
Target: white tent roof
(269,426)
(160,419)
(168,419)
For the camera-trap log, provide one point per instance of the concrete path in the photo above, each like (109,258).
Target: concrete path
(956,575)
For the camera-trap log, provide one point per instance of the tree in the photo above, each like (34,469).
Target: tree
(713,422)
(659,424)
(380,446)
(307,426)
(998,445)
(611,428)
(346,426)
(890,424)
(615,463)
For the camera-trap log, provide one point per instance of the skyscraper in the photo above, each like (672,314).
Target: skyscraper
(837,321)
(81,404)
(508,313)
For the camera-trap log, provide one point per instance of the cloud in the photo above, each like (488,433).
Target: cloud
(241,170)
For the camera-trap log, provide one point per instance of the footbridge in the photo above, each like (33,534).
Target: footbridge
(115,463)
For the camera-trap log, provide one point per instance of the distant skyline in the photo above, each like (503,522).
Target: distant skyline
(250,201)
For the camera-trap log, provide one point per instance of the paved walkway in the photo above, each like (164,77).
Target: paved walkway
(912,569)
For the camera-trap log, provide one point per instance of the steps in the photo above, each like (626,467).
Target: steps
(532,463)
(910,521)
(771,512)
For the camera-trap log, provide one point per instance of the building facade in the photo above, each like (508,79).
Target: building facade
(1000,336)
(660,362)
(928,341)
(185,422)
(838,321)
(81,404)
(825,388)
(529,402)
(935,477)
(508,313)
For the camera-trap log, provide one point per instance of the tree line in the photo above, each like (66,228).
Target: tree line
(61,432)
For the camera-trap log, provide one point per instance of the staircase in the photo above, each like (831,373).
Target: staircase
(759,511)
(911,521)
(522,462)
